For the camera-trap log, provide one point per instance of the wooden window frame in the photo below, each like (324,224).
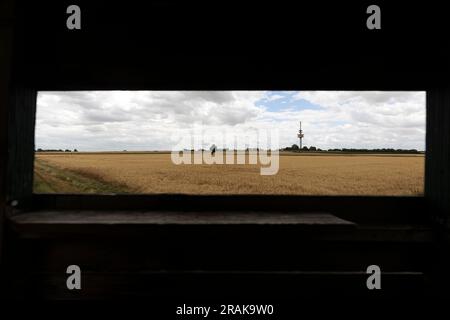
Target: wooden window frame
(379,209)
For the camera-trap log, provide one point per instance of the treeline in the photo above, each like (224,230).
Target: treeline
(354,150)
(385,150)
(305,148)
(56,150)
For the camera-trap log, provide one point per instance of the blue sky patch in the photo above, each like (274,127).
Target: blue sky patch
(285,100)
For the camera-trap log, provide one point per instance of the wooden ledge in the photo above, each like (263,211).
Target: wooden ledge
(213,225)
(42,224)
(177,218)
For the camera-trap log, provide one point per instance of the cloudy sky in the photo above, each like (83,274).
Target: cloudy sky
(154,120)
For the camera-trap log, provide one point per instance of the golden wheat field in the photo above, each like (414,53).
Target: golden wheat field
(299,174)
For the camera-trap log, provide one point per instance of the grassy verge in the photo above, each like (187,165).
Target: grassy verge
(50,179)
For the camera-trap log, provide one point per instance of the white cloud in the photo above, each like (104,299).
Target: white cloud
(146,120)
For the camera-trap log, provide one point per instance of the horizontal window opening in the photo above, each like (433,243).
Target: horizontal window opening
(230,142)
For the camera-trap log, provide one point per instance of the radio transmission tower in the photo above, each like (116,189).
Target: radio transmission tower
(300,136)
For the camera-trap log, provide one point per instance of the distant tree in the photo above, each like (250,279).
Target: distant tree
(75,150)
(67,150)
(312,148)
(213,149)
(305,148)
(39,150)
(294,147)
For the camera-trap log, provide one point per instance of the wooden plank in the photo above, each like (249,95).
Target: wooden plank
(219,285)
(361,209)
(437,177)
(230,249)
(177,218)
(6,36)
(164,225)
(22,117)
(437,164)
(175,58)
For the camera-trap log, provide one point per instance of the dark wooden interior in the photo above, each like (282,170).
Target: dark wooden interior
(205,247)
